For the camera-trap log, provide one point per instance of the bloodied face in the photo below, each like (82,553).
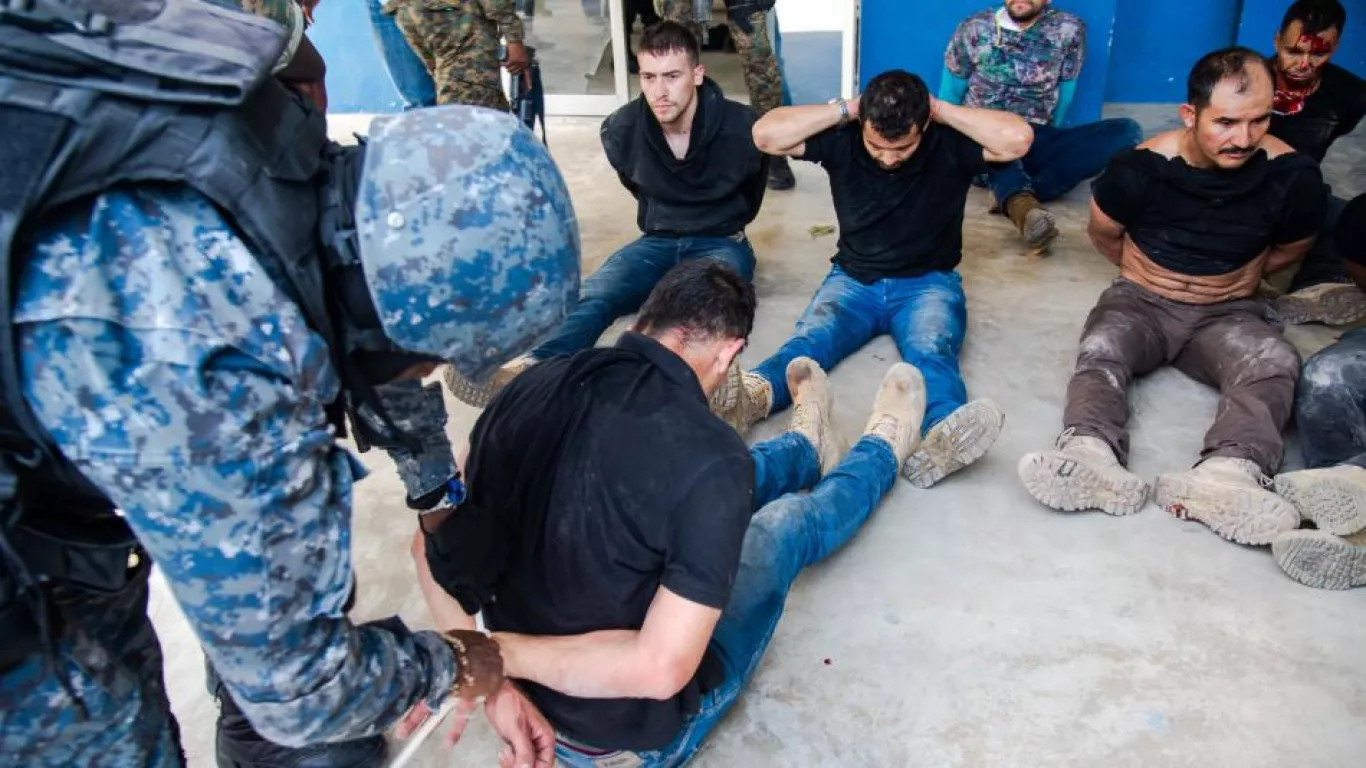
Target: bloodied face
(1300,58)
(1025,11)
(1229,130)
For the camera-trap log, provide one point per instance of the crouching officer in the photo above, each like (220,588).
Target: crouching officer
(199,294)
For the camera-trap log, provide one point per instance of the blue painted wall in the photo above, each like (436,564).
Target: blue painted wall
(356,79)
(912,36)
(1261,18)
(1157,42)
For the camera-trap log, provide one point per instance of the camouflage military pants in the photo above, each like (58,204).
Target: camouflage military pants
(459,47)
(762,76)
(112,709)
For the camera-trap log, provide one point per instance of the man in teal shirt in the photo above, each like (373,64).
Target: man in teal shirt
(1025,58)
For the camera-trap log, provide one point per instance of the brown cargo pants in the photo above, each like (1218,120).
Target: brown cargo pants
(1133,332)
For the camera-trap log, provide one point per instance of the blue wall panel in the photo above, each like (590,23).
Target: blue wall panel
(1157,42)
(356,79)
(1261,18)
(912,36)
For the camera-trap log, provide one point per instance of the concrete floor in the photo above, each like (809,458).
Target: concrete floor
(967,625)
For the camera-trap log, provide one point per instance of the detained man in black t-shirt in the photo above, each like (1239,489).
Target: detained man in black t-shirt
(900,164)
(639,555)
(1193,218)
(1317,102)
(1330,411)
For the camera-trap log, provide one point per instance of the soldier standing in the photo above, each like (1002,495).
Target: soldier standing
(458,42)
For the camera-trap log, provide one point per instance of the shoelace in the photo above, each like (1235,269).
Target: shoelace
(1067,434)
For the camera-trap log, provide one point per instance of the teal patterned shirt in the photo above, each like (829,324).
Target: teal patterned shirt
(1017,71)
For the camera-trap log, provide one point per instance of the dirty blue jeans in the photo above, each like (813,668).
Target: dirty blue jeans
(1330,405)
(625,280)
(1061,158)
(927,316)
(405,69)
(784,537)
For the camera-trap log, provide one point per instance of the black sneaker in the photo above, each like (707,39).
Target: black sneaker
(780,176)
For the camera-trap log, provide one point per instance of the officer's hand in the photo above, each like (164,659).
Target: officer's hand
(460,719)
(518,59)
(529,739)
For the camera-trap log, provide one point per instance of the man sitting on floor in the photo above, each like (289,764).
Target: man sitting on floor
(900,165)
(686,153)
(1317,102)
(1330,410)
(1025,58)
(1193,218)
(644,555)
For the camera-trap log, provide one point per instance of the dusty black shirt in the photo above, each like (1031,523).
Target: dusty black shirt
(1204,222)
(902,222)
(1351,232)
(1332,111)
(650,490)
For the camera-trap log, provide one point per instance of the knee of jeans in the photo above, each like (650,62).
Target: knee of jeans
(1333,370)
(1270,358)
(1130,133)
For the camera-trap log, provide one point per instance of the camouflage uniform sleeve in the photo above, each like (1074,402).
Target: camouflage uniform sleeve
(169,368)
(420,411)
(504,14)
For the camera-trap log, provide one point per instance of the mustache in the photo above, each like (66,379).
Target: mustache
(1237,151)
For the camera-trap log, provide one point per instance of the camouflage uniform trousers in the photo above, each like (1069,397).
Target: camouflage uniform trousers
(459,47)
(112,709)
(763,79)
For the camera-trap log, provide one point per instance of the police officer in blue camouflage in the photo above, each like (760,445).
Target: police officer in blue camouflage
(199,294)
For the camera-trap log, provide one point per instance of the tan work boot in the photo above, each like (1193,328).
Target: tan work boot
(811,410)
(1231,496)
(1081,472)
(1327,303)
(479,394)
(1322,560)
(899,410)
(1037,226)
(1334,499)
(957,441)
(743,399)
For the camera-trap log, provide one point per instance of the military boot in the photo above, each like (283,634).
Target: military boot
(1327,303)
(1036,225)
(780,176)
(1322,560)
(1232,497)
(743,399)
(1334,499)
(1081,472)
(811,410)
(899,410)
(480,394)
(960,439)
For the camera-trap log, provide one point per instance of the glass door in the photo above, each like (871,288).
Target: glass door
(580,46)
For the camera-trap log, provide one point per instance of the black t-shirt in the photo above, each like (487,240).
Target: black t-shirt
(1332,111)
(652,490)
(902,222)
(1350,237)
(1204,222)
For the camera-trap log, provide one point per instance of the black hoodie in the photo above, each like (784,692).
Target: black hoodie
(716,189)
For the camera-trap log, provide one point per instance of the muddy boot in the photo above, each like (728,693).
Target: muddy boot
(780,178)
(1334,499)
(480,394)
(1036,224)
(743,399)
(957,441)
(1327,303)
(1081,472)
(899,410)
(811,410)
(1231,496)
(1322,560)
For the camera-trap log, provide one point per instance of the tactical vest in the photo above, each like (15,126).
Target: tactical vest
(264,163)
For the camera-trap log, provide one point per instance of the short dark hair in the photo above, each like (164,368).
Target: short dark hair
(894,102)
(667,37)
(1316,16)
(702,297)
(1223,64)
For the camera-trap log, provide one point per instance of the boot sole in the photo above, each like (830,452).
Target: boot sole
(1235,514)
(1067,485)
(1335,308)
(945,451)
(466,391)
(830,446)
(1041,232)
(1335,505)
(1320,560)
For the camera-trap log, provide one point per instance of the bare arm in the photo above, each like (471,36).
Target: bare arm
(1106,234)
(1281,256)
(1003,136)
(784,131)
(652,663)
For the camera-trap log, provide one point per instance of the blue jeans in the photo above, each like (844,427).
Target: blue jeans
(406,71)
(785,536)
(624,281)
(1330,405)
(1062,158)
(927,316)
